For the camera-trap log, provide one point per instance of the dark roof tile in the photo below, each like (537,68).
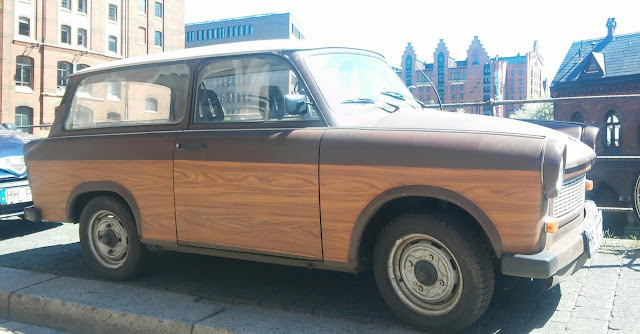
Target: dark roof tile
(621,57)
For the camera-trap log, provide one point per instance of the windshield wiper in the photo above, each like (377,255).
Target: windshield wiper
(359,101)
(365,100)
(402,97)
(395,95)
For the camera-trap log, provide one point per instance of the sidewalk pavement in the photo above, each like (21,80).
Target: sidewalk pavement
(86,306)
(12,327)
(600,298)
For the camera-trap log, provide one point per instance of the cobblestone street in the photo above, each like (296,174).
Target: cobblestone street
(600,298)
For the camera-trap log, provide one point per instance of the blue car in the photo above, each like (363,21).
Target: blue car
(15,193)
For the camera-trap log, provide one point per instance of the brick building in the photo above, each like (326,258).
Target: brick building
(243,29)
(45,40)
(476,78)
(603,66)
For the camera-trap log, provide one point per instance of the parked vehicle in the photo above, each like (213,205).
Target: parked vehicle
(283,152)
(15,193)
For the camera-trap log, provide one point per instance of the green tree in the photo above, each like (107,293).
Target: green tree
(542,111)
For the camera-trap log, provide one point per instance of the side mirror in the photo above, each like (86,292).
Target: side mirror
(10,126)
(295,104)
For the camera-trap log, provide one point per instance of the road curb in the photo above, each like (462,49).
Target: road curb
(86,306)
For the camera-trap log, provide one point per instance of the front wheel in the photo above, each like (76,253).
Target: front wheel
(433,271)
(110,243)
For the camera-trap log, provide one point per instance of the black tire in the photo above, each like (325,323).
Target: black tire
(131,262)
(447,234)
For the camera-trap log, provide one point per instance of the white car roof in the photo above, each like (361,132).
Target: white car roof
(227,49)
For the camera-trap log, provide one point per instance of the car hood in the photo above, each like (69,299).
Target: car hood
(578,153)
(11,159)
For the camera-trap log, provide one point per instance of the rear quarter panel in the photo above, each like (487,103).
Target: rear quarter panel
(500,174)
(140,163)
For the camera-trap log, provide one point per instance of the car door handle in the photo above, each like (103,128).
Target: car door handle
(190,146)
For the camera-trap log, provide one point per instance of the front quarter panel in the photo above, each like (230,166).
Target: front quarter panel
(498,173)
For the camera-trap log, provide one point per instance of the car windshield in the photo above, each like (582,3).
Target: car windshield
(358,86)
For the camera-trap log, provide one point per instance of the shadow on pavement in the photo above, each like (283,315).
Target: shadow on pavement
(15,228)
(291,288)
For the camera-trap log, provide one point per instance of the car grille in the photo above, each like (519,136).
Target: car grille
(570,197)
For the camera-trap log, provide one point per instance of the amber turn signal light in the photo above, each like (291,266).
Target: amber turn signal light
(551,225)
(588,186)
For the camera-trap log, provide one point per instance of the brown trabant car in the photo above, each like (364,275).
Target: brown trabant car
(282,152)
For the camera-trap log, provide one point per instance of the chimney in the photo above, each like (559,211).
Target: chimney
(611,27)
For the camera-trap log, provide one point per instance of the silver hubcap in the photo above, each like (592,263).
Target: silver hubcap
(424,274)
(108,239)
(637,196)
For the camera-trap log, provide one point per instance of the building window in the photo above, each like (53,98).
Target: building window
(475,60)
(408,69)
(24,117)
(64,69)
(24,71)
(142,7)
(158,9)
(612,131)
(151,105)
(113,44)
(113,12)
(158,38)
(113,91)
(66,4)
(143,35)
(24,27)
(577,117)
(65,34)
(81,67)
(251,29)
(441,60)
(82,37)
(221,33)
(82,6)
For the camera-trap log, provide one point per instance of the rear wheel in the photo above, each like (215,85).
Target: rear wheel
(109,239)
(433,271)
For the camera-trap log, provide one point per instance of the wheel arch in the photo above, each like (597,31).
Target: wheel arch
(84,192)
(365,226)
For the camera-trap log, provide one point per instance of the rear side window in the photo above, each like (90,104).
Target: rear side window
(121,98)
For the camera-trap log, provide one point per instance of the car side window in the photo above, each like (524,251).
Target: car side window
(256,89)
(131,97)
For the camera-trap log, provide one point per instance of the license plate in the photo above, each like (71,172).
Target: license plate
(15,195)
(594,235)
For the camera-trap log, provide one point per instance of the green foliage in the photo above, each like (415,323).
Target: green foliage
(543,111)
(460,110)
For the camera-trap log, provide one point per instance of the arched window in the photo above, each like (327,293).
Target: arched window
(64,69)
(151,105)
(113,44)
(24,26)
(409,71)
(24,71)
(612,130)
(577,117)
(24,117)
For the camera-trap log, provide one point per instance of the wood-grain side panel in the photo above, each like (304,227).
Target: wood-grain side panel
(265,207)
(149,181)
(511,199)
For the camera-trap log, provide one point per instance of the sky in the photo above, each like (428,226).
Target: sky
(505,28)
